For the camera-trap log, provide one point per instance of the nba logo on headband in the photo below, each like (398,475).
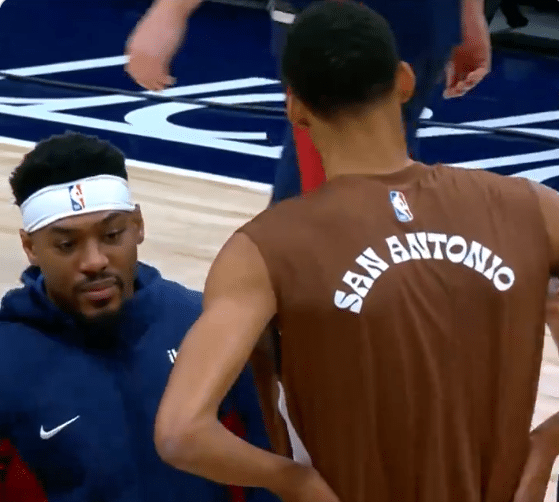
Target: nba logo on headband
(76,197)
(50,204)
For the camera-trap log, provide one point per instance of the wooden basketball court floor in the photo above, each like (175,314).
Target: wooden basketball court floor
(188,217)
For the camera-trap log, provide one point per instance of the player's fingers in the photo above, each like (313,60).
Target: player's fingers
(470,81)
(454,82)
(146,83)
(450,71)
(455,91)
(149,81)
(134,72)
(142,81)
(147,71)
(475,77)
(466,83)
(163,82)
(161,86)
(159,76)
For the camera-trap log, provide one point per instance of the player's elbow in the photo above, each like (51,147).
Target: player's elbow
(177,439)
(166,445)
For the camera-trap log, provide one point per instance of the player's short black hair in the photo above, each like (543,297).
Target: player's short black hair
(64,158)
(338,56)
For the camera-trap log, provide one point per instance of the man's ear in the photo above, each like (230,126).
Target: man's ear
(138,221)
(405,82)
(297,112)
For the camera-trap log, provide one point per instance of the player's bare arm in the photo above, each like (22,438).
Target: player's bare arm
(239,302)
(471,60)
(544,438)
(552,314)
(155,41)
(549,203)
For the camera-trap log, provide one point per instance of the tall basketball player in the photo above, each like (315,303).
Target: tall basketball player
(410,301)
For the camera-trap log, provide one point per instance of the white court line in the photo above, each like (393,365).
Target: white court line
(1,2)
(538,174)
(171,134)
(263,188)
(511,160)
(16,142)
(82,64)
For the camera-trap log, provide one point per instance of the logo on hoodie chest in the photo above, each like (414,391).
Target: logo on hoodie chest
(172,354)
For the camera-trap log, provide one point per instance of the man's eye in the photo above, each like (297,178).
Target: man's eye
(114,235)
(65,245)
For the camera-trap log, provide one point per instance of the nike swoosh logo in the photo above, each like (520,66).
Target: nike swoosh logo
(47,435)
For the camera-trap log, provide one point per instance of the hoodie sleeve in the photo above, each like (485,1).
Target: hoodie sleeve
(8,385)
(17,483)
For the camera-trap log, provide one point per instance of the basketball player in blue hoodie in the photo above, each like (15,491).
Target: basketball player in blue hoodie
(88,341)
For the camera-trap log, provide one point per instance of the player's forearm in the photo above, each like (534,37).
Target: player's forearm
(474,22)
(475,3)
(470,7)
(210,451)
(180,8)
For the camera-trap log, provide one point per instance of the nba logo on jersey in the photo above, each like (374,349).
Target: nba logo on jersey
(401,207)
(76,197)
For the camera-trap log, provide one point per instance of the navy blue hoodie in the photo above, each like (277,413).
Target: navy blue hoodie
(80,407)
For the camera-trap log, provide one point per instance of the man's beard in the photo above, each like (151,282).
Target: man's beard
(101,331)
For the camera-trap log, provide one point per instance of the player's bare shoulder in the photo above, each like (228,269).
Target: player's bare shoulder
(549,204)
(500,191)
(239,270)
(275,223)
(519,198)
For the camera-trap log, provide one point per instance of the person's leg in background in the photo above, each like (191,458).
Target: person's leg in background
(426,44)
(429,70)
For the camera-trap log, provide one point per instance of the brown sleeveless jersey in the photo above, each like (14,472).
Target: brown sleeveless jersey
(411,311)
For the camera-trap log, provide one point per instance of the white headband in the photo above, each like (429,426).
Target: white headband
(52,203)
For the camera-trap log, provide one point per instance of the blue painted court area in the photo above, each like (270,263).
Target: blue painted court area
(227,59)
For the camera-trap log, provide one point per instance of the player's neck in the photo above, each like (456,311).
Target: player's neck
(374,145)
